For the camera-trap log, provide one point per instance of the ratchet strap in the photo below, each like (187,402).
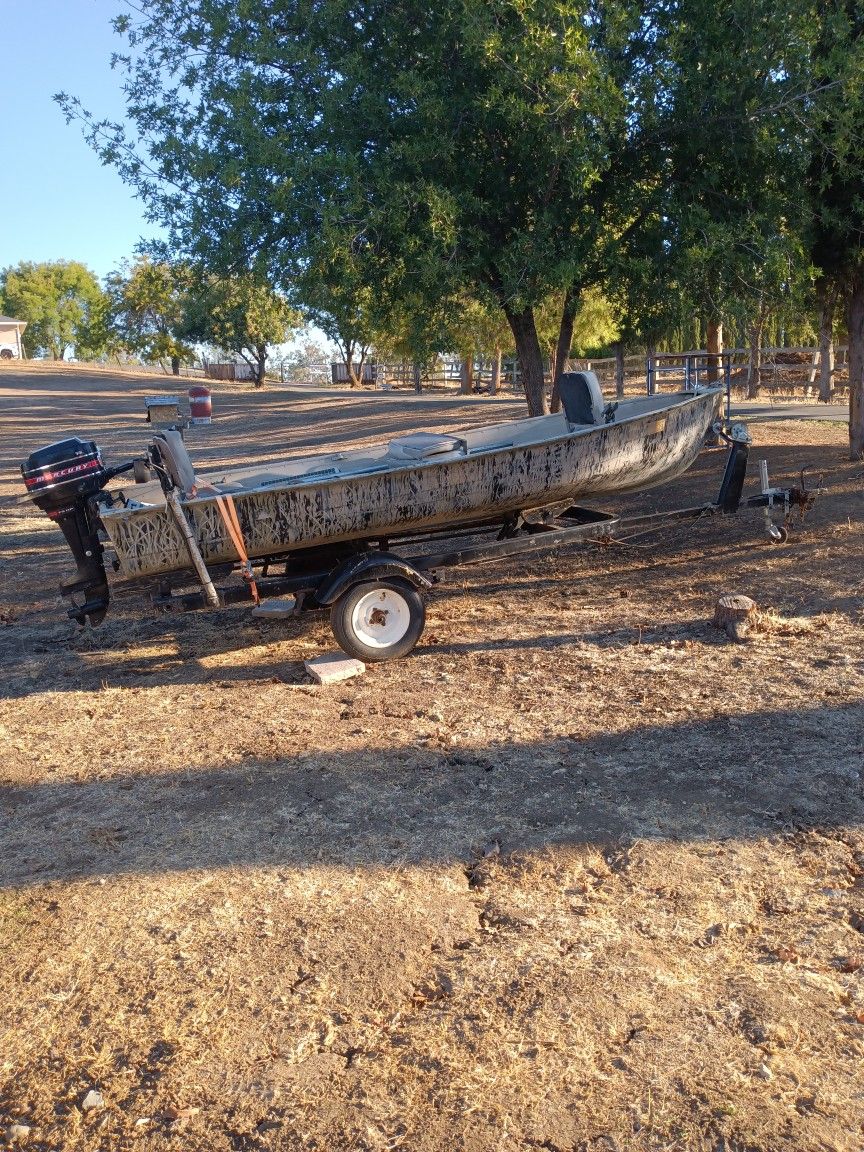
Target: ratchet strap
(232,523)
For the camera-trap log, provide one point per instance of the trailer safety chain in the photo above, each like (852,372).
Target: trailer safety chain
(228,510)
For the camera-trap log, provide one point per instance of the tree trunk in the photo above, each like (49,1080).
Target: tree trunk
(530,359)
(619,369)
(714,348)
(175,365)
(466,375)
(495,382)
(260,364)
(754,368)
(418,377)
(827,302)
(562,348)
(251,363)
(361,367)
(346,347)
(855,325)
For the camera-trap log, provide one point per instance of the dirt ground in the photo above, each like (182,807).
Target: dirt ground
(579,874)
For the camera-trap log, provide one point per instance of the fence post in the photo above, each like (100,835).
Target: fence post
(619,369)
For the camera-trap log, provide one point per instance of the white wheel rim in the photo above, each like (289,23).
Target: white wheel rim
(380,618)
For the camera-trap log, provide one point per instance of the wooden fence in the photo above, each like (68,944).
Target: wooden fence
(228,371)
(784,371)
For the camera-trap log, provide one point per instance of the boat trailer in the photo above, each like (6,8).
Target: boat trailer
(374,589)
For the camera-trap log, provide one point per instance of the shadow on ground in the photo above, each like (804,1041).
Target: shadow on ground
(735,777)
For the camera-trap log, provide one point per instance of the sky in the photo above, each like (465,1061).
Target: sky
(57,202)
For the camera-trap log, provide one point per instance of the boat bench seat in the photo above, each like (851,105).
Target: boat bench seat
(423,445)
(249,480)
(436,445)
(534,430)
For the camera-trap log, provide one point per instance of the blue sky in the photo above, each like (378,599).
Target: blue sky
(57,202)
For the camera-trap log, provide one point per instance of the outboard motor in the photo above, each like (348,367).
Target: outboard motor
(61,479)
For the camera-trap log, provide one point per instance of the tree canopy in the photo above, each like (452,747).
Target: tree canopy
(386,159)
(147,309)
(238,315)
(438,145)
(61,301)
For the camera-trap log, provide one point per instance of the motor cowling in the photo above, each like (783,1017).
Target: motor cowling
(62,478)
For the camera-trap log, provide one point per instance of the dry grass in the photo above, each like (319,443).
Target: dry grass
(580,874)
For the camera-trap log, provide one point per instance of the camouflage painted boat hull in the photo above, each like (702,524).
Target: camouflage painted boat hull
(415,484)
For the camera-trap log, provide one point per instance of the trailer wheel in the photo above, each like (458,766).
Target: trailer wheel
(378,620)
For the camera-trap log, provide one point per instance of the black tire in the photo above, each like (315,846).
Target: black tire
(6,354)
(378,620)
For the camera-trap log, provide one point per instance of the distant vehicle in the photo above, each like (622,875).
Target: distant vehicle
(8,352)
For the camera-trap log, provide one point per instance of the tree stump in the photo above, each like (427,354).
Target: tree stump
(735,615)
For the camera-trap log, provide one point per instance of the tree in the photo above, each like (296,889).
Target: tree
(238,315)
(462,145)
(592,327)
(307,361)
(147,308)
(61,302)
(836,186)
(340,300)
(732,202)
(500,124)
(480,328)
(474,327)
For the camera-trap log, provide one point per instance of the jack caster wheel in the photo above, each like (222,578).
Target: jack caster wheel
(379,620)
(782,535)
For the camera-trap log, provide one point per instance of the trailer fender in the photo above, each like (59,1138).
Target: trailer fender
(367,566)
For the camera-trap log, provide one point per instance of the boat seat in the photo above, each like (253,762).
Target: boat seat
(582,399)
(422,445)
(516,433)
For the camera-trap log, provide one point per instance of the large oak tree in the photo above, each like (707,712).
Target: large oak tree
(447,145)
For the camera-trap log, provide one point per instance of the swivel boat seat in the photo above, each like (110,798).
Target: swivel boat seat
(582,399)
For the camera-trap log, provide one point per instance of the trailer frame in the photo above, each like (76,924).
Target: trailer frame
(375,588)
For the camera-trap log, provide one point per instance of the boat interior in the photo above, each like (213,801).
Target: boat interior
(584,408)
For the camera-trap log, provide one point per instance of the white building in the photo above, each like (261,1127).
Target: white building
(11,347)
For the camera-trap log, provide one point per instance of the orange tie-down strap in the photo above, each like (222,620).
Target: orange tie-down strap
(232,523)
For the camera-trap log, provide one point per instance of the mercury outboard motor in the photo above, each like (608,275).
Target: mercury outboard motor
(61,479)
